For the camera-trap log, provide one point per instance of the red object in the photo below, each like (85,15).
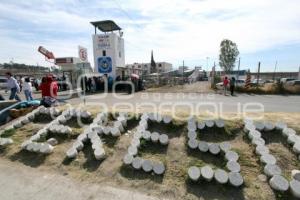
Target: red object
(49,88)
(46,53)
(225,82)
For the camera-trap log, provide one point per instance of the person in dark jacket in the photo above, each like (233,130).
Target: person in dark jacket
(232,86)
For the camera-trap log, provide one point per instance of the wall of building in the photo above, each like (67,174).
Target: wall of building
(144,68)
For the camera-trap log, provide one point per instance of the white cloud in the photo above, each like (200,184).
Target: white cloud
(174,29)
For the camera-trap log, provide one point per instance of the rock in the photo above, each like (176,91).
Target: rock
(259,126)
(30,146)
(99,153)
(52,141)
(286,132)
(135,142)
(209,123)
(127,160)
(163,139)
(272,170)
(194,173)
(225,146)
(295,188)
(268,159)
(158,168)
(146,135)
(25,143)
(72,153)
(220,123)
(192,135)
(249,127)
(296,148)
(258,141)
(280,125)
(147,165)
(221,176)
(279,183)
(261,150)
(132,150)
(203,146)
(235,179)
(192,126)
(106,130)
(296,174)
(119,125)
(82,137)
(115,131)
(193,144)
(262,178)
(214,149)
(207,173)
(137,163)
(154,137)
(201,125)
(292,139)
(233,166)
(231,156)
(167,119)
(17,124)
(269,126)
(5,141)
(254,134)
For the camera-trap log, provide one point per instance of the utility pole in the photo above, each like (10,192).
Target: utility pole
(238,73)
(275,70)
(258,71)
(182,72)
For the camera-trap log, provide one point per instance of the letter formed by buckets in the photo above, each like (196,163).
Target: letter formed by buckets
(232,175)
(142,134)
(97,129)
(255,131)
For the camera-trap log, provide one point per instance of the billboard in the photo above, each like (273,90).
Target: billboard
(45,52)
(103,42)
(82,53)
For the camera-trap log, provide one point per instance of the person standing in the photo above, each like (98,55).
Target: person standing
(225,85)
(232,85)
(27,88)
(13,86)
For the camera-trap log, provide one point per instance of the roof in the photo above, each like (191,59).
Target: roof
(106,25)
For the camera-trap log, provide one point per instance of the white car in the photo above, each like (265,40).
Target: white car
(3,84)
(259,81)
(238,83)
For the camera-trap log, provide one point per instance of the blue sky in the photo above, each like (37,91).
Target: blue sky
(190,30)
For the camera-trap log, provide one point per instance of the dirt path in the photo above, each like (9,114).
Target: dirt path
(22,183)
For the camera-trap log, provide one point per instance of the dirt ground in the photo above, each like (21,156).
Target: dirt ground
(198,87)
(176,156)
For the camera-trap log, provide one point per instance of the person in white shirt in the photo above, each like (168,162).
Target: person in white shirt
(13,86)
(27,87)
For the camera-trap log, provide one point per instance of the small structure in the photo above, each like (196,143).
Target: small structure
(109,56)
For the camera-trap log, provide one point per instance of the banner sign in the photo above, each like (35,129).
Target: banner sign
(82,52)
(104,64)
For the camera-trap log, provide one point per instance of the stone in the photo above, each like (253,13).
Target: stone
(192,126)
(30,146)
(135,142)
(127,160)
(147,165)
(254,134)
(115,131)
(296,174)
(146,135)
(25,143)
(271,170)
(163,139)
(209,123)
(225,146)
(192,135)
(158,168)
(269,126)
(258,141)
(296,148)
(201,125)
(235,179)
(203,146)
(220,123)
(17,124)
(154,137)
(167,119)
(295,188)
(78,145)
(193,144)
(194,173)
(261,150)
(5,141)
(231,156)
(280,125)
(119,125)
(82,137)
(207,173)
(259,126)
(99,153)
(249,127)
(262,178)
(52,141)
(132,150)
(292,139)
(106,130)
(268,159)
(214,148)
(137,163)
(233,166)
(279,183)
(72,153)
(221,176)
(286,132)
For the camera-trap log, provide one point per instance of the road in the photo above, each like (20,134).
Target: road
(22,183)
(210,102)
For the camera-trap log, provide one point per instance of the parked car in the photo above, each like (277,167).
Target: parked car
(3,84)
(285,80)
(293,82)
(259,81)
(238,83)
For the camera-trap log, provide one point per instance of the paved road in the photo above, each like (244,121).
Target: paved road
(270,103)
(19,182)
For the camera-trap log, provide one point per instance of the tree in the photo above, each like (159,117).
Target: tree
(228,55)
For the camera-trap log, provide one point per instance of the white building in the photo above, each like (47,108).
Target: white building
(145,68)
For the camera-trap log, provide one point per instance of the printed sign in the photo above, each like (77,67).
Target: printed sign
(82,52)
(104,64)
(103,42)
